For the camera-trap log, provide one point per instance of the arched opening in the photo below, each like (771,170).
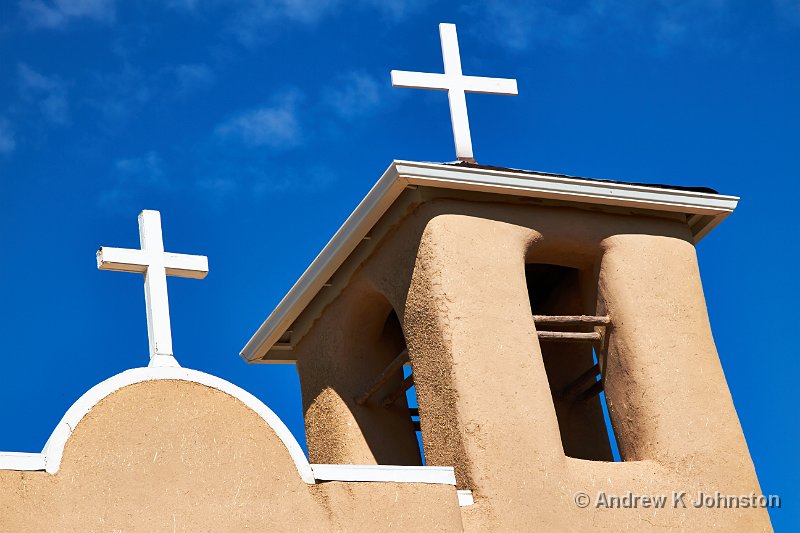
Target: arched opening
(408,389)
(348,367)
(562,301)
(390,395)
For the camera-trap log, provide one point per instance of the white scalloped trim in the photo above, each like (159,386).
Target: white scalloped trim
(50,457)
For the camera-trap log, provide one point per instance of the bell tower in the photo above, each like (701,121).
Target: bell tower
(544,321)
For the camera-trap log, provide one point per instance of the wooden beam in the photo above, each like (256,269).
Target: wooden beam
(572,320)
(387,373)
(579,383)
(407,384)
(568,336)
(285,346)
(592,391)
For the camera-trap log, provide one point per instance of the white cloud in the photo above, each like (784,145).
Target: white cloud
(7,141)
(133,175)
(121,95)
(185,5)
(313,10)
(59,13)
(223,173)
(145,170)
(275,126)
(313,179)
(252,179)
(788,10)
(252,21)
(397,9)
(189,77)
(304,10)
(49,93)
(658,23)
(355,94)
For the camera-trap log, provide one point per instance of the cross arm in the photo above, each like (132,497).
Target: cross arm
(420,80)
(478,84)
(129,260)
(186,266)
(121,260)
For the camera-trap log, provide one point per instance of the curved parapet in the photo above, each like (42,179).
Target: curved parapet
(165,448)
(50,457)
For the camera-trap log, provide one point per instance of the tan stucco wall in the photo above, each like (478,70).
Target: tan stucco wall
(179,456)
(454,272)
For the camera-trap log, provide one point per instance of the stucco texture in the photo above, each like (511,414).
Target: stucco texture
(172,455)
(454,271)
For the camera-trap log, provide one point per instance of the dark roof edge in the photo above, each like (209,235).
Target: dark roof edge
(468,164)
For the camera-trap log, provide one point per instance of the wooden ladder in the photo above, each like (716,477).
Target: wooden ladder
(586,385)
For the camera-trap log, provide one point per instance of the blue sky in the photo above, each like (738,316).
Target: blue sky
(256,126)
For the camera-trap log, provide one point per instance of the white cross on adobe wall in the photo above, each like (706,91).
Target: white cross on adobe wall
(156,265)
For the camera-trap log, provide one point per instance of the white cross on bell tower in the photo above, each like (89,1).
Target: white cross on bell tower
(456,85)
(156,265)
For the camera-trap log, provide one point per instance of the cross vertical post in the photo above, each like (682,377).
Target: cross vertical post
(456,95)
(156,264)
(159,329)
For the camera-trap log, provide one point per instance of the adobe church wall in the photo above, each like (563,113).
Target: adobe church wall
(390,507)
(179,456)
(454,272)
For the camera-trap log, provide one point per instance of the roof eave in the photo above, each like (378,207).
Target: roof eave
(344,241)
(707,211)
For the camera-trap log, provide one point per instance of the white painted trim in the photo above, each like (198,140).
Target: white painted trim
(50,458)
(579,190)
(465,498)
(164,360)
(21,461)
(402,174)
(437,475)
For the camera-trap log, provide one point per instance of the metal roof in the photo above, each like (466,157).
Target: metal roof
(703,207)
